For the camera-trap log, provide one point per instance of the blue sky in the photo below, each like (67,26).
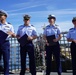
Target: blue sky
(64,10)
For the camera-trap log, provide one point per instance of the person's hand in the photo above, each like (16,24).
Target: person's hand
(18,37)
(9,33)
(30,38)
(55,40)
(47,43)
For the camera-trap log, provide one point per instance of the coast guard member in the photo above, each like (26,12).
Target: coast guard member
(30,30)
(50,30)
(5,47)
(71,37)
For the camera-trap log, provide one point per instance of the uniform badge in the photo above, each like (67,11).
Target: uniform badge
(7,26)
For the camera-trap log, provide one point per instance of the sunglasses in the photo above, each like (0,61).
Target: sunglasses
(73,20)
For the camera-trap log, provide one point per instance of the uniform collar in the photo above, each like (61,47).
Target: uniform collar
(28,25)
(52,25)
(3,24)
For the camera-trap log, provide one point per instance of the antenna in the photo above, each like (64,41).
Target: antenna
(43,27)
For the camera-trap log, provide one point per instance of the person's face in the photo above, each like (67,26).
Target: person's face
(74,22)
(51,21)
(26,21)
(2,18)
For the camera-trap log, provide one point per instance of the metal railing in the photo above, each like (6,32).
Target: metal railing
(40,54)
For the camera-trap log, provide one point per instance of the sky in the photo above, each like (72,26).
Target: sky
(64,10)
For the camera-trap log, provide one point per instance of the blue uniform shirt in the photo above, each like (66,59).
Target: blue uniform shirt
(52,30)
(71,34)
(29,30)
(6,27)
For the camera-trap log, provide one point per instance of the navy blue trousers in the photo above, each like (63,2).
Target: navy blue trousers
(5,51)
(55,50)
(30,49)
(73,54)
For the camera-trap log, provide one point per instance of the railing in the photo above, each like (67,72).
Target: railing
(65,54)
(40,55)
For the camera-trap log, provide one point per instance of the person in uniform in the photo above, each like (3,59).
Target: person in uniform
(52,29)
(5,47)
(30,30)
(71,37)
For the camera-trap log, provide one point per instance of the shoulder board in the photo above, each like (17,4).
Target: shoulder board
(47,27)
(56,25)
(71,28)
(32,25)
(9,23)
(20,25)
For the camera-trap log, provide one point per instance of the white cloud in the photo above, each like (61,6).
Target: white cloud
(33,6)
(49,7)
(61,12)
(29,3)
